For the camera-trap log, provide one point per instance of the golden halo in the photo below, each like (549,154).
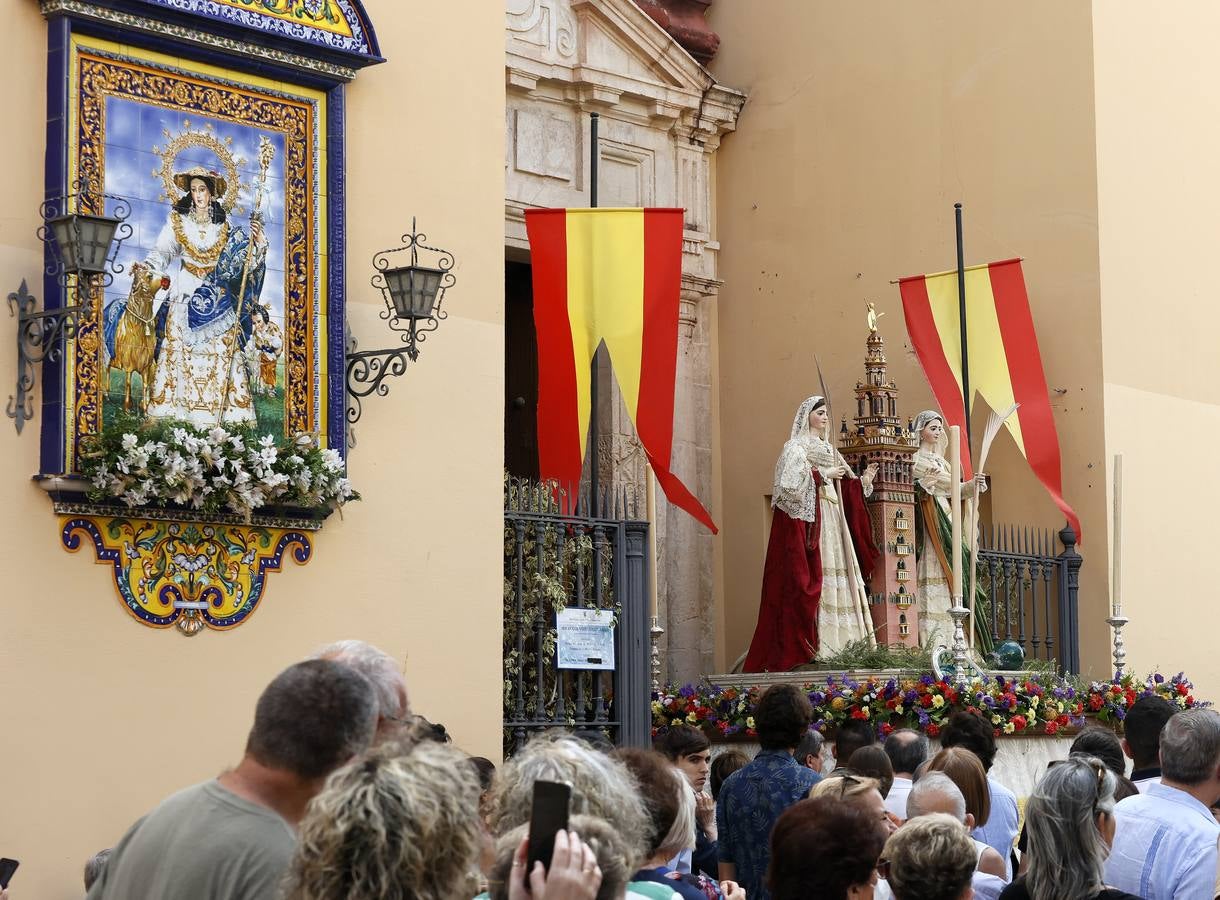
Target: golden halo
(206,139)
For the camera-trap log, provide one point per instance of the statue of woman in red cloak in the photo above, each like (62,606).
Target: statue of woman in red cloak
(820,555)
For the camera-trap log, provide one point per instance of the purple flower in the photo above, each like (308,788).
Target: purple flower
(923,719)
(1158,678)
(925,679)
(1120,713)
(890,687)
(817,698)
(688,691)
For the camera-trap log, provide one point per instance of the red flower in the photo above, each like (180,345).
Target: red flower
(858,713)
(1190,700)
(1051,727)
(891,703)
(1062,720)
(932,730)
(1019,722)
(1095,702)
(886,728)
(925,701)
(1183,690)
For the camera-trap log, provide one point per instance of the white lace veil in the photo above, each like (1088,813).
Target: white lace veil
(800,425)
(793,490)
(923,420)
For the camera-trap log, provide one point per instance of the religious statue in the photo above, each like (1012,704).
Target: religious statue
(820,553)
(933,533)
(873,317)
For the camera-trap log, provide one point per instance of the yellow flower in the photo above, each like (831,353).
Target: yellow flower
(867,711)
(1009,728)
(1033,701)
(938,701)
(676,722)
(692,718)
(750,722)
(837,703)
(995,720)
(898,709)
(657,707)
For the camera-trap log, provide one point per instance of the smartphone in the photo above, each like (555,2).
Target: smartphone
(7,868)
(548,816)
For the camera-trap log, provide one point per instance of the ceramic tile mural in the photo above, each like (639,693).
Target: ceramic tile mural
(222,173)
(227,308)
(186,574)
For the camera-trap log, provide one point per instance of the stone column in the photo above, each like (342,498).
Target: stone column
(684,564)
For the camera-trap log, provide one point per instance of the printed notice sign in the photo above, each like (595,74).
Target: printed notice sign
(585,639)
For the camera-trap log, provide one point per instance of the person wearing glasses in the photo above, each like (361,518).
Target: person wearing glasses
(1070,822)
(860,792)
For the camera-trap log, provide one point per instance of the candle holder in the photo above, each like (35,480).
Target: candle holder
(655,633)
(1116,621)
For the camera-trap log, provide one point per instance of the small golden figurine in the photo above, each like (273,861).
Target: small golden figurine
(873,316)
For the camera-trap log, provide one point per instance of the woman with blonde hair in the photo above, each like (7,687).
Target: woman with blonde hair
(402,823)
(966,771)
(861,792)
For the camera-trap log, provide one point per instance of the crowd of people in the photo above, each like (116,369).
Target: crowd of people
(344,793)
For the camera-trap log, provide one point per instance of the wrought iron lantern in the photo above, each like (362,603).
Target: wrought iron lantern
(82,233)
(413,296)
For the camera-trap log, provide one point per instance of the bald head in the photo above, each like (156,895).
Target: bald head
(907,749)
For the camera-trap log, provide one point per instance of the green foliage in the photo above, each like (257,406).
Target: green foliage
(557,566)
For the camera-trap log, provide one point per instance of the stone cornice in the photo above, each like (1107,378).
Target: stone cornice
(677,89)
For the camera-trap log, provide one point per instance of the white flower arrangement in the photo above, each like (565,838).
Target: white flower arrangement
(157,463)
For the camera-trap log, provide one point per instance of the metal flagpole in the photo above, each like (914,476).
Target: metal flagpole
(961,315)
(594,431)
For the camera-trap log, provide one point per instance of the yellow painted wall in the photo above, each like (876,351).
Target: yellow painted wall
(865,122)
(1158,141)
(103,717)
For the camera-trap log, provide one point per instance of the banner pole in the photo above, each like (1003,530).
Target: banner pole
(594,430)
(961,316)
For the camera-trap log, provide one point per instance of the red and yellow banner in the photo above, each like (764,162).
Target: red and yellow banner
(1005,364)
(610,275)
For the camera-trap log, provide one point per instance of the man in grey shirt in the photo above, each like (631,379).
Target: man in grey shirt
(232,838)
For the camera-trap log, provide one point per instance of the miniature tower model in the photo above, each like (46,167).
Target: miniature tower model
(880,437)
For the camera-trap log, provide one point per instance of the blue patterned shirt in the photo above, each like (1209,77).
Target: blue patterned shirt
(751,799)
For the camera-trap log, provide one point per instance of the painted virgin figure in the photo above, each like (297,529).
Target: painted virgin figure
(933,536)
(820,554)
(216,275)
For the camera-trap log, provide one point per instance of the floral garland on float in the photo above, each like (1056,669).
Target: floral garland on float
(1040,703)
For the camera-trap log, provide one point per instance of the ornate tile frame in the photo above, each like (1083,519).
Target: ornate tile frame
(230,45)
(205,33)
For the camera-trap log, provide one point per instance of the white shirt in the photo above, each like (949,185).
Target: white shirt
(1164,846)
(1143,783)
(896,799)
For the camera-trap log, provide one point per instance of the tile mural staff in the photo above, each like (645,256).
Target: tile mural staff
(820,553)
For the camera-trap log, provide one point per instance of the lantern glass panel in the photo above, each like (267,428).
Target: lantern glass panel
(413,290)
(63,230)
(96,233)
